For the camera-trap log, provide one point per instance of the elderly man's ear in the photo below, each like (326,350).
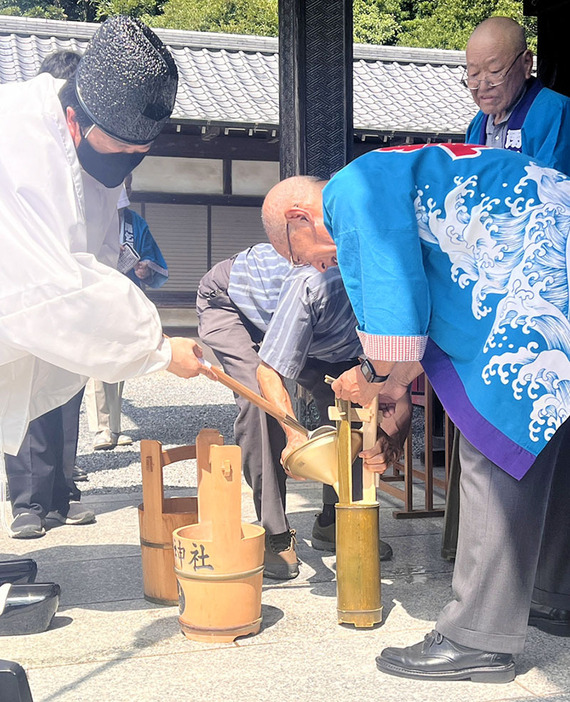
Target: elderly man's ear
(527,62)
(296,215)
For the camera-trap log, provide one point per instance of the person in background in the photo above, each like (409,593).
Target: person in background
(516,111)
(142,262)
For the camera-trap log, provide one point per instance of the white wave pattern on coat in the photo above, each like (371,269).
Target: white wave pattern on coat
(520,254)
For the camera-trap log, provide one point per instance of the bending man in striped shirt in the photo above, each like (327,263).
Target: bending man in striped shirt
(266,320)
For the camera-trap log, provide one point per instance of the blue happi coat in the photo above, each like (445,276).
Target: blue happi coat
(456,255)
(135,231)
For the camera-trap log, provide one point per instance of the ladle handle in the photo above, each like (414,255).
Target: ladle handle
(369,437)
(257,400)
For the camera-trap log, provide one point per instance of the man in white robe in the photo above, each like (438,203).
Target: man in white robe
(65,313)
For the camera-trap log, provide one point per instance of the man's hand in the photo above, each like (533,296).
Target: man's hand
(352,385)
(383,454)
(294,440)
(185,362)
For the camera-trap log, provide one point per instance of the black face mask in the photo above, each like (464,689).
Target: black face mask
(109,169)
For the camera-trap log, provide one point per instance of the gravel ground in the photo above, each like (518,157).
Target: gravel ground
(163,407)
(173,411)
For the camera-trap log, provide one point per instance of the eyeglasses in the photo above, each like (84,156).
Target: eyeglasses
(475,83)
(295,261)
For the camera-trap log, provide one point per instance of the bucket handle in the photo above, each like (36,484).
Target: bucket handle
(219,486)
(152,485)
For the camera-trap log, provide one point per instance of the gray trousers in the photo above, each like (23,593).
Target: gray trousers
(235,342)
(103,404)
(513,545)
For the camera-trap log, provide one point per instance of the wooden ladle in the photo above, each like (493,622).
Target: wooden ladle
(256,399)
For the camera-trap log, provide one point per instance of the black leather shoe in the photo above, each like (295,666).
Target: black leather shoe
(27,609)
(439,658)
(18,571)
(79,475)
(14,683)
(553,621)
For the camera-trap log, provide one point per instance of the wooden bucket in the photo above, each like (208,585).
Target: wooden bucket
(159,516)
(219,561)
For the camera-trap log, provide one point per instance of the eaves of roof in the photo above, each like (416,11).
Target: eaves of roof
(234,79)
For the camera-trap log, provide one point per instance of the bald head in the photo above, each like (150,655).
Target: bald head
(293,219)
(298,192)
(498,65)
(498,31)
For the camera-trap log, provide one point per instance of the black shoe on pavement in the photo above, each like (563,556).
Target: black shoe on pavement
(27,525)
(77,514)
(27,609)
(323,538)
(548,619)
(79,475)
(439,658)
(280,561)
(18,571)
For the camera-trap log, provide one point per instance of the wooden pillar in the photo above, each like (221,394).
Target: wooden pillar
(553,20)
(315,79)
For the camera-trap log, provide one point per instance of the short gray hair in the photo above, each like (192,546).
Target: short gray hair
(288,193)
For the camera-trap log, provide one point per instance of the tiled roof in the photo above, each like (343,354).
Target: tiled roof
(233,79)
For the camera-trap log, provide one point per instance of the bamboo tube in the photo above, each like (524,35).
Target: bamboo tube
(357,552)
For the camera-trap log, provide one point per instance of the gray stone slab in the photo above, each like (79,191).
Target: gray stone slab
(316,670)
(310,610)
(115,577)
(80,635)
(107,642)
(544,668)
(303,611)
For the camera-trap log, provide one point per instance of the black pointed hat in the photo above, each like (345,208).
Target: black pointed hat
(126,81)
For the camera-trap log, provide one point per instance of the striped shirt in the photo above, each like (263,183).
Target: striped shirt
(303,313)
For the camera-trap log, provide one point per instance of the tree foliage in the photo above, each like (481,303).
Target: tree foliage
(442,24)
(447,24)
(79,10)
(377,21)
(133,8)
(234,16)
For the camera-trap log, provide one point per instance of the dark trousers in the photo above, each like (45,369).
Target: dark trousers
(235,342)
(513,545)
(40,476)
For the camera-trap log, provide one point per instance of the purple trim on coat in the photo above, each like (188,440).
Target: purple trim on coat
(492,443)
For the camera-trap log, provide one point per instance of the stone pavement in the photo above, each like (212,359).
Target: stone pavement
(107,643)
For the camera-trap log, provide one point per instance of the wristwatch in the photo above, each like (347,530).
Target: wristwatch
(370,374)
